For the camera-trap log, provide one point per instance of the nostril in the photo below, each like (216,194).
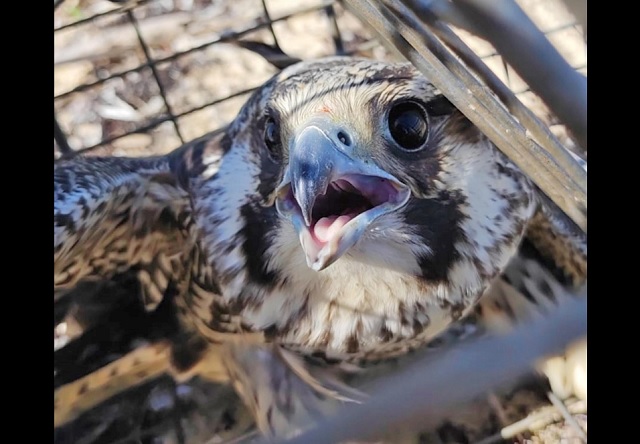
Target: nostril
(344,138)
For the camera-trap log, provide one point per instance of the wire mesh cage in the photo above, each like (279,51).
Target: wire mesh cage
(141,77)
(185,68)
(151,67)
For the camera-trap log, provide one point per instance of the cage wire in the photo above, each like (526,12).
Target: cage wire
(142,77)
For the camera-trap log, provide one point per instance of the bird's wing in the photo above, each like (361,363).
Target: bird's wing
(121,230)
(112,215)
(113,218)
(549,268)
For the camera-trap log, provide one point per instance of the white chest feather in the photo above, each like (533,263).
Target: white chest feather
(350,306)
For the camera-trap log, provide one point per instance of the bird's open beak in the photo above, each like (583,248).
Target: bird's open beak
(330,195)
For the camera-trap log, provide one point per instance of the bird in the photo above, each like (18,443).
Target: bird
(348,215)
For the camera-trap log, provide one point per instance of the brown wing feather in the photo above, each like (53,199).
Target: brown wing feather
(112,217)
(114,214)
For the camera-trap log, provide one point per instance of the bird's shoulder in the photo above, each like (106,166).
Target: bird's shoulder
(198,159)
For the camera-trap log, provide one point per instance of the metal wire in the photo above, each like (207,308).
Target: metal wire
(539,130)
(156,76)
(335,30)
(270,24)
(523,45)
(60,136)
(408,399)
(231,36)
(126,7)
(405,32)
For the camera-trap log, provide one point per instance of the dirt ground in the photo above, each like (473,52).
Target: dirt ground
(109,45)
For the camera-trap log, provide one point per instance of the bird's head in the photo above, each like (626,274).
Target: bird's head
(366,158)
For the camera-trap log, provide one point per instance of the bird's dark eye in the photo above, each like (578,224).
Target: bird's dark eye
(408,125)
(272,136)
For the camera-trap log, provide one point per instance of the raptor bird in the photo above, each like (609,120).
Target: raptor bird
(348,215)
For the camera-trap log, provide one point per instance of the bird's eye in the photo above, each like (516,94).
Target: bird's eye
(272,136)
(408,125)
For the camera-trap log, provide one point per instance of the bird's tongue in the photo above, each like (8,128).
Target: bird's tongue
(328,227)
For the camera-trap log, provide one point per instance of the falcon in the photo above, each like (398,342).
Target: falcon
(348,215)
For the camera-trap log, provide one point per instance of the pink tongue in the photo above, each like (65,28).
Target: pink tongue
(328,227)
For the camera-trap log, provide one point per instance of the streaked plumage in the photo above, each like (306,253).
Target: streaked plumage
(306,229)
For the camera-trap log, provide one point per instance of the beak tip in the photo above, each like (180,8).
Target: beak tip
(318,265)
(305,200)
(307,219)
(314,265)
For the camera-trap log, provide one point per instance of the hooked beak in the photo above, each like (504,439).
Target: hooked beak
(330,196)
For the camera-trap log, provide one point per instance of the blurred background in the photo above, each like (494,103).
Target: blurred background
(141,77)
